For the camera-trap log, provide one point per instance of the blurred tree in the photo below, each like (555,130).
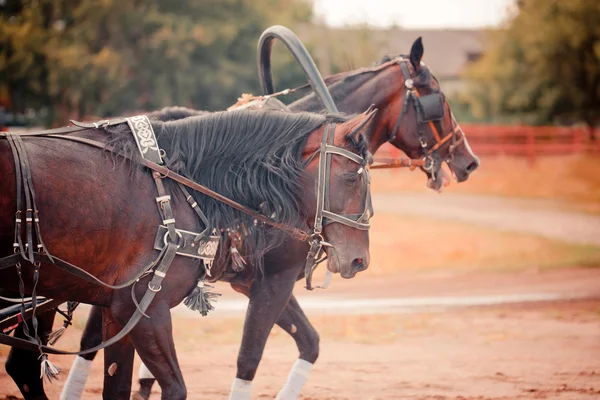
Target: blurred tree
(543,66)
(84,58)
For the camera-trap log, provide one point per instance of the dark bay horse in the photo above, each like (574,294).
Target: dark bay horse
(403,121)
(99,212)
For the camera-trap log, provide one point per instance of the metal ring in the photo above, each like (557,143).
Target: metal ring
(153,289)
(178,234)
(162,153)
(318,237)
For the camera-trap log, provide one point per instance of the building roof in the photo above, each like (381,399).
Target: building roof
(447,51)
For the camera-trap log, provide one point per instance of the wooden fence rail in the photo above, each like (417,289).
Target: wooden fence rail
(523,141)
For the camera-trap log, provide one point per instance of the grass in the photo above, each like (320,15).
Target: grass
(573,181)
(416,243)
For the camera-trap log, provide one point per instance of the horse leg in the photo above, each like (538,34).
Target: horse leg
(296,324)
(24,366)
(153,340)
(118,361)
(80,370)
(146,381)
(268,298)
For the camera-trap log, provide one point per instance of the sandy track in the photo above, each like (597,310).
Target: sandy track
(531,350)
(539,217)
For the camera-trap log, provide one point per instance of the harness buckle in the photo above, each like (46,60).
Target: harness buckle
(429,165)
(154,289)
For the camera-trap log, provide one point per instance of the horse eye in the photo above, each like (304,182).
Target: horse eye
(351,177)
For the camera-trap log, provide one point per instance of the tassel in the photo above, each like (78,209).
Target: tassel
(200,299)
(48,370)
(55,335)
(237,260)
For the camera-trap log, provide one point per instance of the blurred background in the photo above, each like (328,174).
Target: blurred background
(490,290)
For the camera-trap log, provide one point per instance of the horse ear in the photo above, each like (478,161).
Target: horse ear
(360,121)
(416,53)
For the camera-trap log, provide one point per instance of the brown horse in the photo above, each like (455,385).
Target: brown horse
(406,120)
(105,208)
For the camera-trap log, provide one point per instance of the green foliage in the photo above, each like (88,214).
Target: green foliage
(96,58)
(543,66)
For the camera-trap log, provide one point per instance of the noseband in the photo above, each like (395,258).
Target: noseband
(429,110)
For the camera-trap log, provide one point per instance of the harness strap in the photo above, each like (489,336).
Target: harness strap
(10,261)
(24,181)
(197,210)
(154,287)
(18,242)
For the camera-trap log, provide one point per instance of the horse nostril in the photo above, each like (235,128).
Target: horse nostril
(472,167)
(358,265)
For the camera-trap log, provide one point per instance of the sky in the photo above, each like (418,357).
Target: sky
(414,13)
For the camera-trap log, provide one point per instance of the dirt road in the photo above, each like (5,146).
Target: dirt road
(433,349)
(541,217)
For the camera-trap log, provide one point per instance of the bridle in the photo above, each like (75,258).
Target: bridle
(431,161)
(323,216)
(430,111)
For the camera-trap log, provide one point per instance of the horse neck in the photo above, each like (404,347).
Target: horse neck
(355,95)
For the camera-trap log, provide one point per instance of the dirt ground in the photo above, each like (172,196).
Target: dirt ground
(458,304)
(522,350)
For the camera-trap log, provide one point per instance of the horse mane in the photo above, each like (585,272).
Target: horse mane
(339,90)
(174,113)
(251,157)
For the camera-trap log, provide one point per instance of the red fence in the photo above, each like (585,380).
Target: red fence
(525,141)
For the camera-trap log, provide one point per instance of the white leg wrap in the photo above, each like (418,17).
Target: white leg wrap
(240,390)
(295,381)
(75,382)
(144,372)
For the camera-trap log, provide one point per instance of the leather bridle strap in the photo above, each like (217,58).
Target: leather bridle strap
(397,163)
(323,216)
(413,94)
(317,240)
